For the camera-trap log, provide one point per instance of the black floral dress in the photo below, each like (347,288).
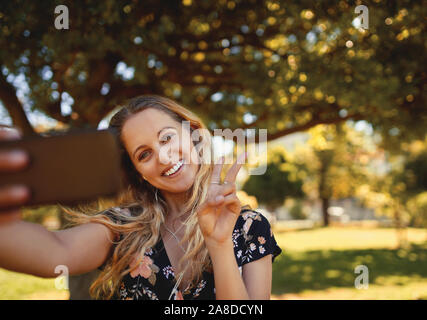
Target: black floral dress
(154,278)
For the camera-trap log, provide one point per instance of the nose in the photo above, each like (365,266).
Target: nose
(164,155)
(167,156)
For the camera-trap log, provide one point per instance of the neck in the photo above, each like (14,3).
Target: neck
(175,203)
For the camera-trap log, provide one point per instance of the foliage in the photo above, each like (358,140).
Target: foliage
(278,182)
(400,193)
(297,210)
(239,64)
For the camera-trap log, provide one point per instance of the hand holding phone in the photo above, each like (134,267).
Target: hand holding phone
(12,161)
(64,169)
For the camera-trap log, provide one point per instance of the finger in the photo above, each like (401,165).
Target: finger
(221,190)
(10,134)
(231,198)
(233,203)
(208,205)
(13,196)
(13,160)
(9,216)
(234,170)
(216,173)
(227,188)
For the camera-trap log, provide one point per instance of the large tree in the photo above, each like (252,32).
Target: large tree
(285,66)
(336,160)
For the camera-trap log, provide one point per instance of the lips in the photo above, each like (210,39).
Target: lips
(169,168)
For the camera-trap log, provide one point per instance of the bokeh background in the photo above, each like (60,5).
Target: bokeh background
(342,99)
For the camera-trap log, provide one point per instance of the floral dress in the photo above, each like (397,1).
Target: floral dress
(154,278)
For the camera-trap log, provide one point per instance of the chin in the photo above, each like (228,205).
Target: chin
(182,187)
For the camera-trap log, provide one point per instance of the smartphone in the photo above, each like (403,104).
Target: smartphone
(68,168)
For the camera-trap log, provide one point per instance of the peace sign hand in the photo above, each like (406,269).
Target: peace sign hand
(218,214)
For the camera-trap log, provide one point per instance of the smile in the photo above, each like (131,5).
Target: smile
(174,170)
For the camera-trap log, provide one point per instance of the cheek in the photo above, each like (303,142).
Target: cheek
(145,170)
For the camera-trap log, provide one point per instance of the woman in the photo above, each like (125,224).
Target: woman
(175,228)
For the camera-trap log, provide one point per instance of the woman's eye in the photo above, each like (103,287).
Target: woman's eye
(167,137)
(143,155)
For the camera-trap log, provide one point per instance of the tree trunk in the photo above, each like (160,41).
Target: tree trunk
(401,231)
(325,206)
(79,285)
(14,107)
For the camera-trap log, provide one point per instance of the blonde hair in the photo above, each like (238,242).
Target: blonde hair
(142,230)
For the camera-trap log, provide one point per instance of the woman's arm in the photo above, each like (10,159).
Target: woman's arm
(257,276)
(254,283)
(229,284)
(30,248)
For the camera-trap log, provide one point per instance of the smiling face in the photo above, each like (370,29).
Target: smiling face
(160,148)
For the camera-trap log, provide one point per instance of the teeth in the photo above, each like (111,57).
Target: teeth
(174,169)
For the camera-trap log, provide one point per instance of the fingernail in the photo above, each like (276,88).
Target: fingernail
(18,156)
(20,191)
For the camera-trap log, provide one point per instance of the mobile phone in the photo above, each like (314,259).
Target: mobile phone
(68,168)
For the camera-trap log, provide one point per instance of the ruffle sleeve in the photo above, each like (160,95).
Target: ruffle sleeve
(258,236)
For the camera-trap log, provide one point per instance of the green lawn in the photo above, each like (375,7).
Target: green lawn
(320,264)
(315,264)
(17,286)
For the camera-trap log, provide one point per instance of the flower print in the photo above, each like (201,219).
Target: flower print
(245,215)
(234,237)
(149,293)
(252,246)
(247,225)
(239,253)
(123,291)
(261,249)
(261,240)
(144,269)
(149,252)
(252,215)
(168,271)
(199,288)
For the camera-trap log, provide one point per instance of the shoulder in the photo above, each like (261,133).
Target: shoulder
(253,237)
(252,223)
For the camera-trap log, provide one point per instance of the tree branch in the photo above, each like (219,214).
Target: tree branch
(14,107)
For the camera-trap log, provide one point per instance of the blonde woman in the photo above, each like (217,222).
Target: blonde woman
(179,232)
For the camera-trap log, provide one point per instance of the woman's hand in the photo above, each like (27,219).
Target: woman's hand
(218,215)
(11,161)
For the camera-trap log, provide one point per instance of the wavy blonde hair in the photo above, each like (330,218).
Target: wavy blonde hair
(142,230)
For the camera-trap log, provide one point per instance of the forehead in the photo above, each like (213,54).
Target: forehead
(143,127)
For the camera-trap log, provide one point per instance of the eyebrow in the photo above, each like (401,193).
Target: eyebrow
(158,134)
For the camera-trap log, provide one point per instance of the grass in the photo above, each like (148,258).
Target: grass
(18,286)
(315,264)
(320,264)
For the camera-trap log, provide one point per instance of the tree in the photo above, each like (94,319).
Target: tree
(239,64)
(400,193)
(279,182)
(335,160)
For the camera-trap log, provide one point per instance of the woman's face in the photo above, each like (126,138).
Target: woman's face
(158,145)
